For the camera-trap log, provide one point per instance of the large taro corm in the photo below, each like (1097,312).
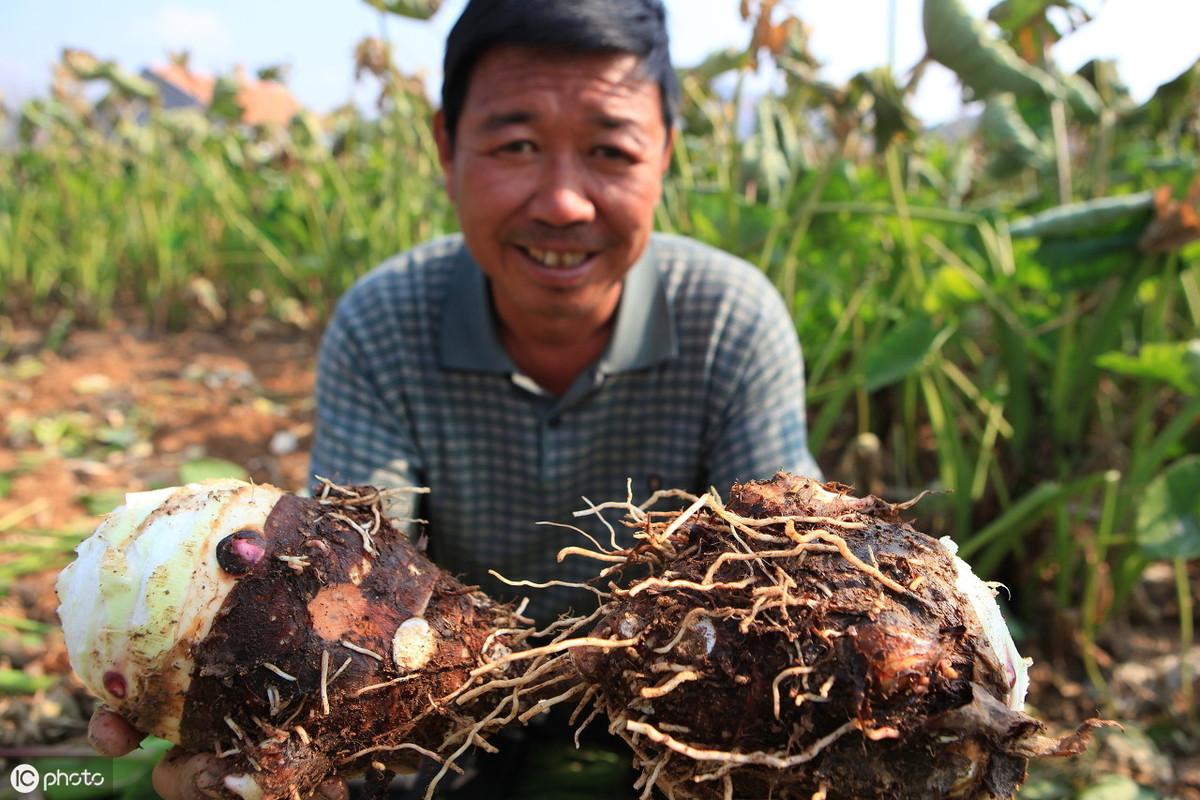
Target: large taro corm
(295,637)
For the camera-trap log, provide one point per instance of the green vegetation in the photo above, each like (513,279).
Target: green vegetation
(1011,317)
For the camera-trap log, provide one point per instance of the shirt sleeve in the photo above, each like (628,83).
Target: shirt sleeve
(762,426)
(362,436)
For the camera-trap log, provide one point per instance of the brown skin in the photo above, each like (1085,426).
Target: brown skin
(564,153)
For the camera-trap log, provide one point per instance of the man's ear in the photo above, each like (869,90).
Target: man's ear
(445,151)
(670,149)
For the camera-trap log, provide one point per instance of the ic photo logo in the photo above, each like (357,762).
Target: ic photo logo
(24,778)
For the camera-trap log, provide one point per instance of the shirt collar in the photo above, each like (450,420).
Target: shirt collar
(644,333)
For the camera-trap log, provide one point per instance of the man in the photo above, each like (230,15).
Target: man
(557,349)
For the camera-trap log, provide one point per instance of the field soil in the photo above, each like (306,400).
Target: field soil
(89,414)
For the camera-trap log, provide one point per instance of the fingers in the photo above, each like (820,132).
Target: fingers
(182,775)
(110,735)
(332,789)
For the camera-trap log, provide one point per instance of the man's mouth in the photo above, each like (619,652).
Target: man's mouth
(558,259)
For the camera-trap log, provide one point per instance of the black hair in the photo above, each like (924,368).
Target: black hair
(637,27)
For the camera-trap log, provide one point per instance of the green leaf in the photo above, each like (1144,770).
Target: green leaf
(5,484)
(899,353)
(204,469)
(414,9)
(101,502)
(1174,363)
(1075,219)
(1168,515)
(1116,787)
(984,63)
(14,681)
(1083,263)
(1013,144)
(949,291)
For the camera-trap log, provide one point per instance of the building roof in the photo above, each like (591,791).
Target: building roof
(262,102)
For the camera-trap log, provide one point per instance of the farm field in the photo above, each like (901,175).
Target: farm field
(1006,315)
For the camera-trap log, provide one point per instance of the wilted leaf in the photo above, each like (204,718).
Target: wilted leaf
(900,352)
(1168,517)
(1174,363)
(203,469)
(888,105)
(1176,222)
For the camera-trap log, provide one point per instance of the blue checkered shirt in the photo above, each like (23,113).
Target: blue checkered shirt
(701,385)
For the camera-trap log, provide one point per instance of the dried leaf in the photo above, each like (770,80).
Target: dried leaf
(1175,224)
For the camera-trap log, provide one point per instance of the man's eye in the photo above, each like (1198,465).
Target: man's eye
(612,153)
(519,147)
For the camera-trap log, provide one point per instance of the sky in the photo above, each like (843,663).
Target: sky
(1152,40)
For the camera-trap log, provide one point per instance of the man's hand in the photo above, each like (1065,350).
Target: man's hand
(180,775)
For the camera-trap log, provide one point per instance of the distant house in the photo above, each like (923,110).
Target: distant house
(262,102)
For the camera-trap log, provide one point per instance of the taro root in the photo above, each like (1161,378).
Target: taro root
(293,637)
(802,643)
(796,642)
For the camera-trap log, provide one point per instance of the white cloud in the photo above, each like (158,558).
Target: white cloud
(200,31)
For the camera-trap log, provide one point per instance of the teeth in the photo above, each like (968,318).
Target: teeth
(552,258)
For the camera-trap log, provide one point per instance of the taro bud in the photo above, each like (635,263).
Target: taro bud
(146,587)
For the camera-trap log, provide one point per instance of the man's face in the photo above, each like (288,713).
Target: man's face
(556,170)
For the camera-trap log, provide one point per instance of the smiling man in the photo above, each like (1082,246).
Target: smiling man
(557,349)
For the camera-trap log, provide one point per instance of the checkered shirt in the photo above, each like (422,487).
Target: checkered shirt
(701,385)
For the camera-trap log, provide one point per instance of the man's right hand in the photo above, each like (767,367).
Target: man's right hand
(180,775)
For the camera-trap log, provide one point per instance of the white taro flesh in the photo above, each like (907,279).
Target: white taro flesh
(982,597)
(146,586)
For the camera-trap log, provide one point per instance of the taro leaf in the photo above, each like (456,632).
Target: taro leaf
(414,9)
(203,469)
(1168,515)
(983,63)
(1082,263)
(1077,219)
(899,353)
(1014,144)
(1174,363)
(1082,98)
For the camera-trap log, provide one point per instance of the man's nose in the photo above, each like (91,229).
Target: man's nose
(562,196)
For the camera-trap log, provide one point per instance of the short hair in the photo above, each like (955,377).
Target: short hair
(637,27)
